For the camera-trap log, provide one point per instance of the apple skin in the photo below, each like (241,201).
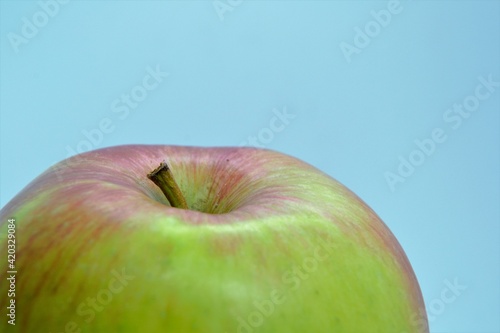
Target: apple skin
(270,244)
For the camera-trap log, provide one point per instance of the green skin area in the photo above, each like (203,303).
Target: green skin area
(286,249)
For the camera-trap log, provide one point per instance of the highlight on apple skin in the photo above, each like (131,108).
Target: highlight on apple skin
(267,243)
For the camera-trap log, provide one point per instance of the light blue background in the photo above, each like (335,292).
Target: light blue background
(352,119)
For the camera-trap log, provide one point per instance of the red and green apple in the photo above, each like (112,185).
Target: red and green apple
(150,238)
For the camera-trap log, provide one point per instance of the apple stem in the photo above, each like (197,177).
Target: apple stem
(163,178)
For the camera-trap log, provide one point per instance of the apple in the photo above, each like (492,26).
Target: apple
(151,238)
